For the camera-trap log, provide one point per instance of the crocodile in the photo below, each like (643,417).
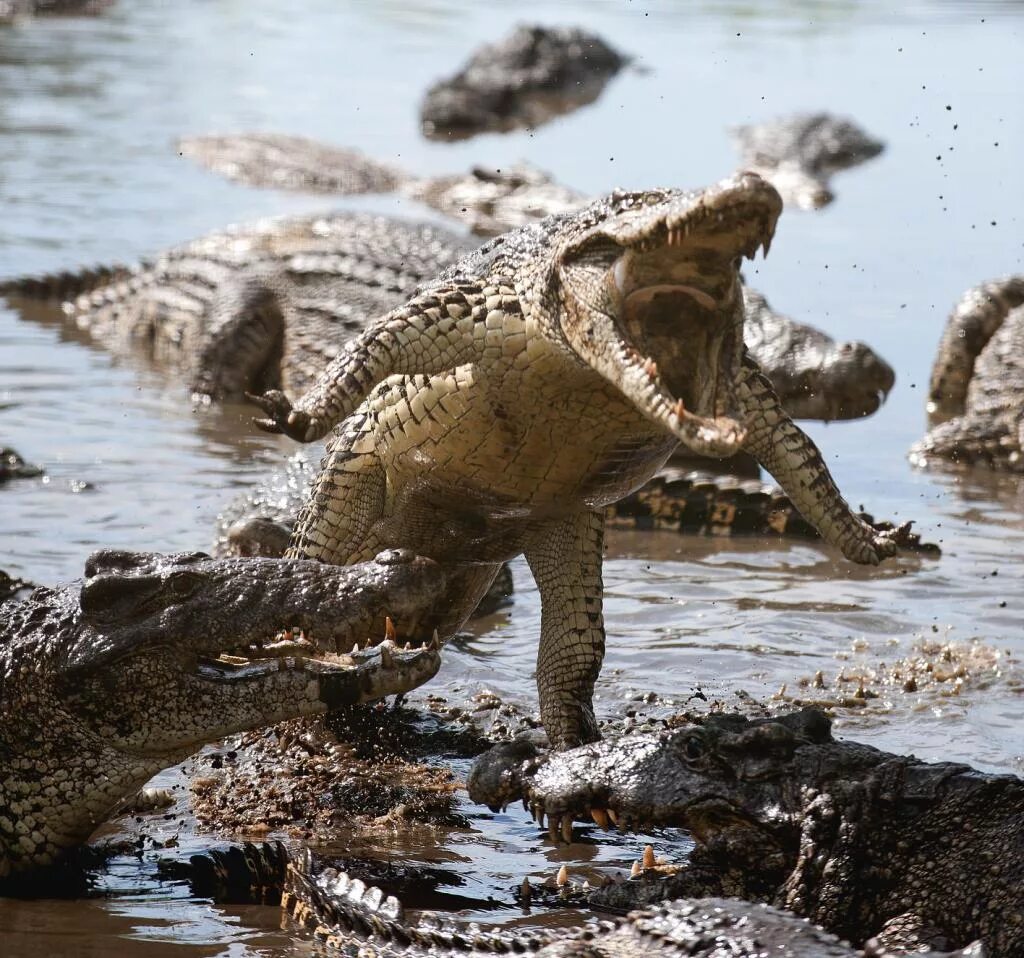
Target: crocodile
(13,466)
(11,586)
(798,154)
(346,915)
(974,398)
(110,679)
(269,304)
(260,521)
(531,76)
(863,842)
(255,306)
(488,201)
(545,376)
(11,10)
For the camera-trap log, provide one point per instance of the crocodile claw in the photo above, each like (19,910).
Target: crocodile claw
(282,417)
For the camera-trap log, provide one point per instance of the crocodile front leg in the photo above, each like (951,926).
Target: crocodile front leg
(565,559)
(789,454)
(431,334)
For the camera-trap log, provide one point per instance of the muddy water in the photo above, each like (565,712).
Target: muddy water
(89,110)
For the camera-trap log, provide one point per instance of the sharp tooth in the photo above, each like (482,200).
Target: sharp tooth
(648,858)
(679,409)
(435,642)
(651,368)
(567,829)
(355,648)
(600,817)
(389,629)
(287,635)
(636,870)
(408,646)
(613,817)
(766,245)
(562,878)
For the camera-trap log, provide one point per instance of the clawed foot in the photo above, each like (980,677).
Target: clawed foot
(283,418)
(873,547)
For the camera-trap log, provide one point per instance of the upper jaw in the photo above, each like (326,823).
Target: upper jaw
(665,326)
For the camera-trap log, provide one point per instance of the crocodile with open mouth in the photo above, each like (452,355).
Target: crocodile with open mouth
(863,842)
(269,304)
(974,402)
(106,681)
(545,376)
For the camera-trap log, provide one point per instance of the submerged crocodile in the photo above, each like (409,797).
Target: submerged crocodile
(16,9)
(488,201)
(270,304)
(975,408)
(106,681)
(531,76)
(346,915)
(545,376)
(13,466)
(863,842)
(798,154)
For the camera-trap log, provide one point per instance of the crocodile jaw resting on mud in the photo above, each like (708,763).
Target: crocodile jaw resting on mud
(544,376)
(863,842)
(106,681)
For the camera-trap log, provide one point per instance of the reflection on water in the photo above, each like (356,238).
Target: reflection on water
(88,112)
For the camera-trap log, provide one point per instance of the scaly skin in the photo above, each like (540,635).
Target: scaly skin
(974,401)
(264,305)
(345,915)
(865,843)
(529,77)
(684,501)
(542,378)
(106,681)
(798,154)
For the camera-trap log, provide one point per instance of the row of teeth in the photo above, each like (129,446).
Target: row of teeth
(291,641)
(677,236)
(560,826)
(646,862)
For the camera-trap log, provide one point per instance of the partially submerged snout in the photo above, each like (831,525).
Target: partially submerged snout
(653,302)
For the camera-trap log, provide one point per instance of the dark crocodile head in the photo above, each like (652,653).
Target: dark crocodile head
(731,782)
(104,683)
(815,376)
(650,298)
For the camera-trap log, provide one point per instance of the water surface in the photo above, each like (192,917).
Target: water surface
(89,111)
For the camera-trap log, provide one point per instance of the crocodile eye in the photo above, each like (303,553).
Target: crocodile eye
(183,584)
(693,749)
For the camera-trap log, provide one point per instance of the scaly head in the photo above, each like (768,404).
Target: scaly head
(107,681)
(175,651)
(649,296)
(730,781)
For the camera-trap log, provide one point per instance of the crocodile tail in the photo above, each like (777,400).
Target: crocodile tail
(64,285)
(337,909)
(239,874)
(701,504)
(697,503)
(293,163)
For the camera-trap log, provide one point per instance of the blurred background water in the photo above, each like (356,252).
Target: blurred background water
(89,112)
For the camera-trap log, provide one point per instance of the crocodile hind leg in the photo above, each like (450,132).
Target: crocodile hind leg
(565,559)
(244,345)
